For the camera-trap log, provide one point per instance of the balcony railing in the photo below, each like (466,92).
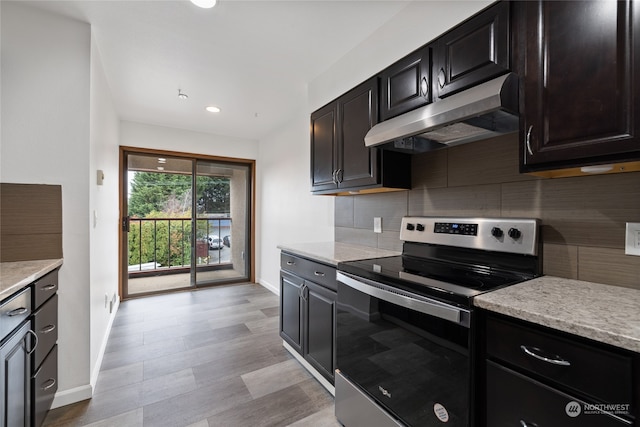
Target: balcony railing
(164,245)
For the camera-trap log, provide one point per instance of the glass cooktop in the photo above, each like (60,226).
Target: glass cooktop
(446,281)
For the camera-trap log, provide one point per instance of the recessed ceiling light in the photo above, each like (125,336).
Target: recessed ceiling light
(212,109)
(205,4)
(182,95)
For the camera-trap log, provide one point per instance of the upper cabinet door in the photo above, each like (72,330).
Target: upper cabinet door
(473,52)
(581,63)
(358,112)
(406,84)
(324,146)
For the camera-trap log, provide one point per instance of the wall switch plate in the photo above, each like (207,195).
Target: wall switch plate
(377,225)
(632,244)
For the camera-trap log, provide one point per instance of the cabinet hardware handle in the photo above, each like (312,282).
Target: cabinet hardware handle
(35,338)
(47,288)
(339,176)
(334,178)
(528,140)
(291,263)
(318,273)
(48,384)
(17,312)
(532,351)
(441,78)
(47,329)
(424,87)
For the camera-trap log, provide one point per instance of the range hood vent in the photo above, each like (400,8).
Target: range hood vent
(483,111)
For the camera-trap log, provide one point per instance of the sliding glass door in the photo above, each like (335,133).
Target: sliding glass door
(186,222)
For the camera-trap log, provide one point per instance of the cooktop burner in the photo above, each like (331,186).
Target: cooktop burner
(455,259)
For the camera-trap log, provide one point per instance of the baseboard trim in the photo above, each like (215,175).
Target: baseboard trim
(103,346)
(73,395)
(322,380)
(269,286)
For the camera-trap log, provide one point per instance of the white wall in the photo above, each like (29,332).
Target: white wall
(103,210)
(163,138)
(418,23)
(288,211)
(45,139)
(289,214)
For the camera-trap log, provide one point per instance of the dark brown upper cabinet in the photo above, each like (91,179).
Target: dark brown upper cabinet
(580,68)
(340,162)
(406,84)
(473,52)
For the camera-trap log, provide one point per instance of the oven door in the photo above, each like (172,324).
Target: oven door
(406,353)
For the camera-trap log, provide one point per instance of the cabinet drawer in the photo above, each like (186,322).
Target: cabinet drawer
(14,311)
(322,274)
(515,400)
(594,371)
(44,288)
(44,386)
(45,325)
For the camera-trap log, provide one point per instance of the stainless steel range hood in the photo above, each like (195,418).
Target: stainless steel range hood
(483,111)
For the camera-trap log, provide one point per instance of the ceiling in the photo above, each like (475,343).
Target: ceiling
(253,59)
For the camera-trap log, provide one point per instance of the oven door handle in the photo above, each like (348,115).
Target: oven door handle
(425,305)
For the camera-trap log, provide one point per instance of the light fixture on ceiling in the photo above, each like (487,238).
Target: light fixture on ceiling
(182,95)
(212,109)
(205,4)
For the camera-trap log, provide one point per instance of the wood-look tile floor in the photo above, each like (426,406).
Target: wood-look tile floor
(211,357)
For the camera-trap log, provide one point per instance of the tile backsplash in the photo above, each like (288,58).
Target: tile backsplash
(583,218)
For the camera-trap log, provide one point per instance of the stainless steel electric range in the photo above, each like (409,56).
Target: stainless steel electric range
(406,327)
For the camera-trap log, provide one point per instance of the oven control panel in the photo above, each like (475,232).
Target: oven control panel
(514,235)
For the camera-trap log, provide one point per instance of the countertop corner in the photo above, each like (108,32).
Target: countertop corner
(335,252)
(18,274)
(609,314)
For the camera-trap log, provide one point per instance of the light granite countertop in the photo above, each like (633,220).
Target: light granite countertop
(16,275)
(608,314)
(335,252)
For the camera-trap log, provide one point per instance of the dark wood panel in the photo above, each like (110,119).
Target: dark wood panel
(323,148)
(30,222)
(580,94)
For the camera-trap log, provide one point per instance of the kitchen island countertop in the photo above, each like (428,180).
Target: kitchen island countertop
(18,274)
(609,314)
(334,252)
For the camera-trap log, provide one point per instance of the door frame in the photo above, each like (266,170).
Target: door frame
(123,188)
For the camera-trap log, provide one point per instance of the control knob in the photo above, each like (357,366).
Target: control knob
(514,233)
(420,227)
(410,227)
(497,232)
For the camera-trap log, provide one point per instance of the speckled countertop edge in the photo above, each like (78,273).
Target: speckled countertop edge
(334,252)
(16,275)
(604,313)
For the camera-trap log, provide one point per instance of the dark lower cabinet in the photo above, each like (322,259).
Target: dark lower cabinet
(319,344)
(515,400)
(44,386)
(15,372)
(291,310)
(308,311)
(536,376)
(580,70)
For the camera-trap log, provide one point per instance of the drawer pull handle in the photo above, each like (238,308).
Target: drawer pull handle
(47,329)
(48,384)
(291,263)
(47,288)
(17,311)
(533,352)
(35,339)
(318,273)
